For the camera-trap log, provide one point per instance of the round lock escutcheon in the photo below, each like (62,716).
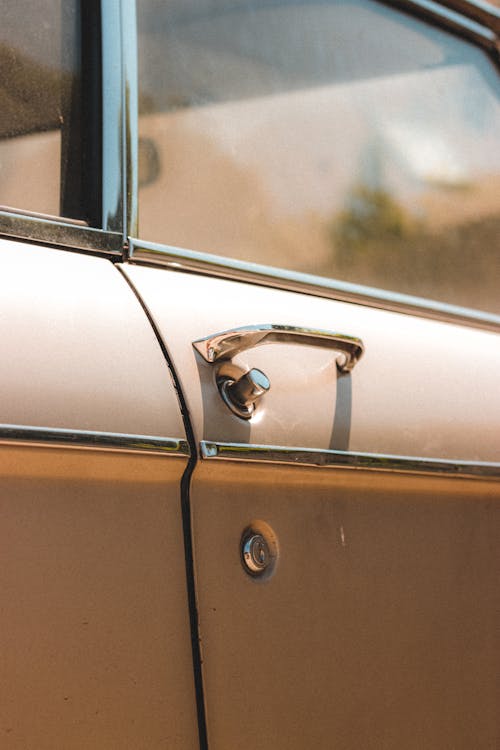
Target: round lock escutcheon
(256,553)
(258,550)
(242,394)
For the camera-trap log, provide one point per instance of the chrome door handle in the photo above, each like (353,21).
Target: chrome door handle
(225,345)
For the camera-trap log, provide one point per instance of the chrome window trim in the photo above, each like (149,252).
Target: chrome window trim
(114,441)
(346,460)
(483,13)
(59,232)
(130,114)
(479,24)
(179,259)
(109,238)
(113,118)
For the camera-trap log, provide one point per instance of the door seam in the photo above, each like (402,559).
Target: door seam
(186,523)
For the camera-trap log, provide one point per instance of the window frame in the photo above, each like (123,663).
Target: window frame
(107,234)
(475,22)
(117,235)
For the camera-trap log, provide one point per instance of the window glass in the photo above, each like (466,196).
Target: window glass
(342,138)
(40,107)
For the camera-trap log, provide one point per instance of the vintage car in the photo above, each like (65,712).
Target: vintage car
(250,402)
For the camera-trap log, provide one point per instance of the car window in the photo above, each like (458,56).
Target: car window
(40,107)
(344,139)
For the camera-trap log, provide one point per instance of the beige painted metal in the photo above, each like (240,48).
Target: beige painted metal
(77,350)
(95,632)
(94,620)
(423,387)
(379,626)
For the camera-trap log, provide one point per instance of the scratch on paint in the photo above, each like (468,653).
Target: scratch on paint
(342,536)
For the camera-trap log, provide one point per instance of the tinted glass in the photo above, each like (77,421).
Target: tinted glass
(343,138)
(40,106)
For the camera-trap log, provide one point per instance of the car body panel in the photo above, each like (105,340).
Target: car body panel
(95,621)
(129,618)
(68,321)
(95,630)
(423,388)
(377,626)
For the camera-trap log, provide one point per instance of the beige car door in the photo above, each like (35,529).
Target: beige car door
(376,621)
(345,504)
(95,634)
(96,647)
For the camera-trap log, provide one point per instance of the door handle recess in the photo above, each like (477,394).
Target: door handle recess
(225,345)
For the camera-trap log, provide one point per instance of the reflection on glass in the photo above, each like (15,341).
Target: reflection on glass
(340,138)
(39,106)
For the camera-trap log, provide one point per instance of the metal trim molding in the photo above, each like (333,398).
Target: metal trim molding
(61,233)
(477,23)
(113,119)
(91,439)
(480,11)
(109,236)
(130,114)
(180,259)
(346,460)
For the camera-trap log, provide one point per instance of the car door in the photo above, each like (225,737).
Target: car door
(95,631)
(345,503)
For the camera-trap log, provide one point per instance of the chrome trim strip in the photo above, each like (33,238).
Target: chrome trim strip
(346,460)
(90,439)
(179,259)
(481,12)
(61,233)
(73,234)
(476,25)
(130,124)
(112,117)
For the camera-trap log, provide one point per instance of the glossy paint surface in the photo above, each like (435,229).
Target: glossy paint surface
(422,388)
(77,349)
(95,633)
(379,625)
(95,621)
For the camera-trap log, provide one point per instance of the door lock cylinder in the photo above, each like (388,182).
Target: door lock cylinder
(242,395)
